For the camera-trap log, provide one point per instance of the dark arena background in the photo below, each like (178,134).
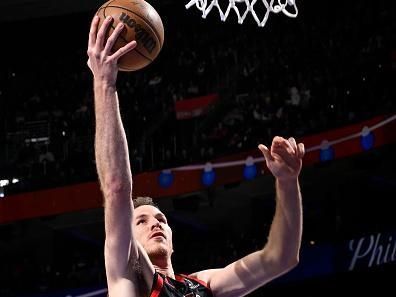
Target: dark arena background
(214,93)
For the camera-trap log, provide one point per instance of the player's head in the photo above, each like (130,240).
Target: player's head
(151,228)
(143,200)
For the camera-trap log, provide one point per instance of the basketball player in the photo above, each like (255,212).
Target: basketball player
(138,244)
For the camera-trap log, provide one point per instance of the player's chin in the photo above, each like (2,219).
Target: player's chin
(158,249)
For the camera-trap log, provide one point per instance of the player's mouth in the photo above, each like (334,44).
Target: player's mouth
(157,234)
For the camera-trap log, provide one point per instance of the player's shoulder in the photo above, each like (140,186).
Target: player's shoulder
(194,278)
(204,276)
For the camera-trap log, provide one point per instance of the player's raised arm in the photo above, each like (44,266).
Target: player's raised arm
(112,161)
(281,253)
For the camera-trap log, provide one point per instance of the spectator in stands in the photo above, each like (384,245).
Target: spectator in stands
(138,245)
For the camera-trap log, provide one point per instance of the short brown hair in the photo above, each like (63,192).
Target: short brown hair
(143,200)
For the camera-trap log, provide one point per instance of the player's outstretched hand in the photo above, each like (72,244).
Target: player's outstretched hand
(284,159)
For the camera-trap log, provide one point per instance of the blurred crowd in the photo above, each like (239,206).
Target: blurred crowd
(298,77)
(293,77)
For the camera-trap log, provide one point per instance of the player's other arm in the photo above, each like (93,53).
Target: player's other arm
(281,253)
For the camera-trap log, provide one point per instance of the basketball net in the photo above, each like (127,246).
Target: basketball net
(288,7)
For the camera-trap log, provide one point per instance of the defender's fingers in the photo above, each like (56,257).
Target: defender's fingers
(123,50)
(266,152)
(93,31)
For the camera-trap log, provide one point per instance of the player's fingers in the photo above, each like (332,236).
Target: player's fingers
(285,155)
(123,50)
(112,39)
(100,37)
(301,150)
(266,152)
(93,31)
(293,143)
(276,156)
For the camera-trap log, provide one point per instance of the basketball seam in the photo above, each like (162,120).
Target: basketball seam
(123,39)
(143,18)
(108,3)
(104,7)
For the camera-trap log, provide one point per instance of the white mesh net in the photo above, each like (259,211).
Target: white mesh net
(287,7)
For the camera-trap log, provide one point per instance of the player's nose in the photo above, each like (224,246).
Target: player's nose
(155,224)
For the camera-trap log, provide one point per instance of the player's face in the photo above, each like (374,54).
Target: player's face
(152,231)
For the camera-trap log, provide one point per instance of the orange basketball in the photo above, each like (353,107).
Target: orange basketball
(142,23)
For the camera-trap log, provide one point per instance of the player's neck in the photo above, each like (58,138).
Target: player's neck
(165,268)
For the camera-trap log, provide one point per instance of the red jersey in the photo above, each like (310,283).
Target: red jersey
(183,286)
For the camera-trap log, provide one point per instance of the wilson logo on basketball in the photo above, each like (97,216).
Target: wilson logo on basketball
(141,34)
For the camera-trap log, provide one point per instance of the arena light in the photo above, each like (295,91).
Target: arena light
(37,140)
(165,178)
(367,139)
(4,182)
(208,175)
(326,151)
(250,169)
